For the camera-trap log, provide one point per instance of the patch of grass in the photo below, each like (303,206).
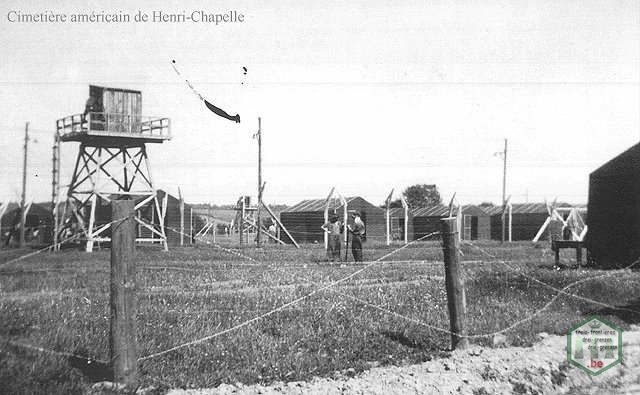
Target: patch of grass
(60,302)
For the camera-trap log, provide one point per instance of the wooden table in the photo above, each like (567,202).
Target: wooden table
(557,245)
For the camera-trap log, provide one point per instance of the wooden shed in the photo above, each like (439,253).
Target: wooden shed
(526,220)
(475,221)
(304,219)
(613,238)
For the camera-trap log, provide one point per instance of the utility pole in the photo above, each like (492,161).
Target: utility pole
(504,189)
(23,214)
(260,186)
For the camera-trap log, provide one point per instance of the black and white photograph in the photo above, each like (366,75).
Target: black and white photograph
(320,197)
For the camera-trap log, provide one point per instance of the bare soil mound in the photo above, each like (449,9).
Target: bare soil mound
(540,369)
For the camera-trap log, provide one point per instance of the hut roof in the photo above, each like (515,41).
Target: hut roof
(317,205)
(219,214)
(441,210)
(39,209)
(524,208)
(398,212)
(626,163)
(12,206)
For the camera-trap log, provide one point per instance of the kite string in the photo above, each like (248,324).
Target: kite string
(193,89)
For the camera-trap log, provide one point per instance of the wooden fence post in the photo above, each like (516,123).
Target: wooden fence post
(122,339)
(454,284)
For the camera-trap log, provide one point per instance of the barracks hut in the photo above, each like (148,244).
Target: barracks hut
(613,239)
(171,220)
(304,219)
(475,221)
(526,221)
(396,224)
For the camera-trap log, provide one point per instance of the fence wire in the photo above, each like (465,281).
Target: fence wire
(325,285)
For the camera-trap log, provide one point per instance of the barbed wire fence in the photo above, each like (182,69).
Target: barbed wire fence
(331,286)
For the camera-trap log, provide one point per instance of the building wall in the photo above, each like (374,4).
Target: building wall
(480,226)
(422,226)
(304,226)
(38,226)
(373,217)
(525,226)
(484,228)
(398,223)
(613,239)
(172,220)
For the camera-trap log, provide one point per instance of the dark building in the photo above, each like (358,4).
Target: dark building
(526,221)
(475,221)
(396,224)
(38,225)
(171,221)
(613,238)
(304,219)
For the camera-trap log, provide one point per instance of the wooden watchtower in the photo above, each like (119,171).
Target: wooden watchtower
(112,163)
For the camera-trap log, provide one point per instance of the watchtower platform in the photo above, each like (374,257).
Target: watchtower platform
(104,129)
(112,163)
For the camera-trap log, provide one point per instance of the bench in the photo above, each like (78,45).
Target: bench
(557,245)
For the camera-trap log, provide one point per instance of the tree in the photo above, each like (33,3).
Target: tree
(422,195)
(419,195)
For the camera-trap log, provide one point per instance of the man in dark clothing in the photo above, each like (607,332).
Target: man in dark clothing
(358,232)
(333,228)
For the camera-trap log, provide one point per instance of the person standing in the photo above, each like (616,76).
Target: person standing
(273,232)
(358,234)
(333,228)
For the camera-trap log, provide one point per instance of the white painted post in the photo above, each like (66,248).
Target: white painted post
(345,216)
(326,218)
(405,205)
(460,223)
(388,227)
(164,215)
(510,221)
(388,204)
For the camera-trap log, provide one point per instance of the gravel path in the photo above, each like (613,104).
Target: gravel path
(541,369)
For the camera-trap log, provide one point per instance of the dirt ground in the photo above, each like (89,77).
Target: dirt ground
(541,369)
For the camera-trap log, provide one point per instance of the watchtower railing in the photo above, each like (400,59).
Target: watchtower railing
(118,124)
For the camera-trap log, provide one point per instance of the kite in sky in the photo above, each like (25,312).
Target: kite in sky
(216,110)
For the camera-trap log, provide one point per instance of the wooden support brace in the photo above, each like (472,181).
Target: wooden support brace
(265,232)
(275,218)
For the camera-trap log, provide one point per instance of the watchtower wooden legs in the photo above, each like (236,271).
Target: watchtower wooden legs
(104,172)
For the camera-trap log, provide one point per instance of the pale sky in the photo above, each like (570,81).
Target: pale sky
(364,95)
